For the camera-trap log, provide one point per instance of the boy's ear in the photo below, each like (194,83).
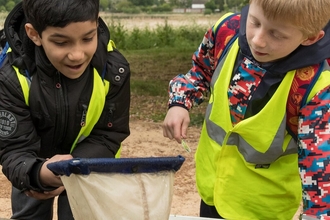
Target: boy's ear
(32,34)
(313,39)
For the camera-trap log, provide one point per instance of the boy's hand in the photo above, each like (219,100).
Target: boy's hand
(47,177)
(176,123)
(44,195)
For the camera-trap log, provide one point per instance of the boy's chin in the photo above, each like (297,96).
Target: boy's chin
(73,74)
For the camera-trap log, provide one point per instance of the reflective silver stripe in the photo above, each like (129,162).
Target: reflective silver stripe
(250,154)
(81,138)
(292,147)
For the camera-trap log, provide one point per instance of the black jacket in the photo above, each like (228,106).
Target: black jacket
(52,121)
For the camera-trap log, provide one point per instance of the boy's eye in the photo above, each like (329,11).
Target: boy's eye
(60,43)
(254,23)
(88,39)
(276,35)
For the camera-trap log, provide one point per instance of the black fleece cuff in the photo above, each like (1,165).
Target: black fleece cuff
(35,178)
(180,105)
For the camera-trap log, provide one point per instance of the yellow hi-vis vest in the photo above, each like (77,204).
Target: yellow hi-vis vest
(249,170)
(96,104)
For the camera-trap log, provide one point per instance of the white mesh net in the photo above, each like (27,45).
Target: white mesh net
(114,196)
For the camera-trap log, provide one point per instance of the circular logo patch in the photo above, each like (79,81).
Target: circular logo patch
(8,123)
(296,98)
(305,73)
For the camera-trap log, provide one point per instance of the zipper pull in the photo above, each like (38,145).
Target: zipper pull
(112,109)
(83,116)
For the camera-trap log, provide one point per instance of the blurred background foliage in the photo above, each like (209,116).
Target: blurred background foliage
(148,6)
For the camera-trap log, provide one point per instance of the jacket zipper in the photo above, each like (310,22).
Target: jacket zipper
(112,109)
(61,111)
(83,116)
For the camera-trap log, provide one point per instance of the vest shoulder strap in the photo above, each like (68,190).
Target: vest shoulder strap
(225,32)
(303,83)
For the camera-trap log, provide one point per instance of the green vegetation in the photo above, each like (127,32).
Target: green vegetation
(158,6)
(163,36)
(155,57)
(147,6)
(8,5)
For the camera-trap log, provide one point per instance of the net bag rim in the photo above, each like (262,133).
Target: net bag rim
(85,166)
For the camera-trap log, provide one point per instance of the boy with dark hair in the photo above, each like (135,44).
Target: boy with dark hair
(268,72)
(64,93)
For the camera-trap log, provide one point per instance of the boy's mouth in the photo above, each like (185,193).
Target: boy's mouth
(259,53)
(75,66)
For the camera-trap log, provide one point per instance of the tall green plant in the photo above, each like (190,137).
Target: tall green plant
(118,33)
(163,36)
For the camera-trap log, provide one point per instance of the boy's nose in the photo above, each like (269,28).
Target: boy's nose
(76,54)
(259,39)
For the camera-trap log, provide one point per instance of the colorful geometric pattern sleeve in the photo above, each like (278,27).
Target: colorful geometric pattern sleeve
(189,89)
(314,154)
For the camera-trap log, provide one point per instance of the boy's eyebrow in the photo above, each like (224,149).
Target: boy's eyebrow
(273,29)
(64,36)
(252,16)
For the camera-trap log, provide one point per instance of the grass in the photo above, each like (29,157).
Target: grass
(161,36)
(151,71)
(156,56)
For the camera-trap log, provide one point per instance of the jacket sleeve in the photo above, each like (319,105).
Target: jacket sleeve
(19,143)
(314,154)
(189,89)
(113,125)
